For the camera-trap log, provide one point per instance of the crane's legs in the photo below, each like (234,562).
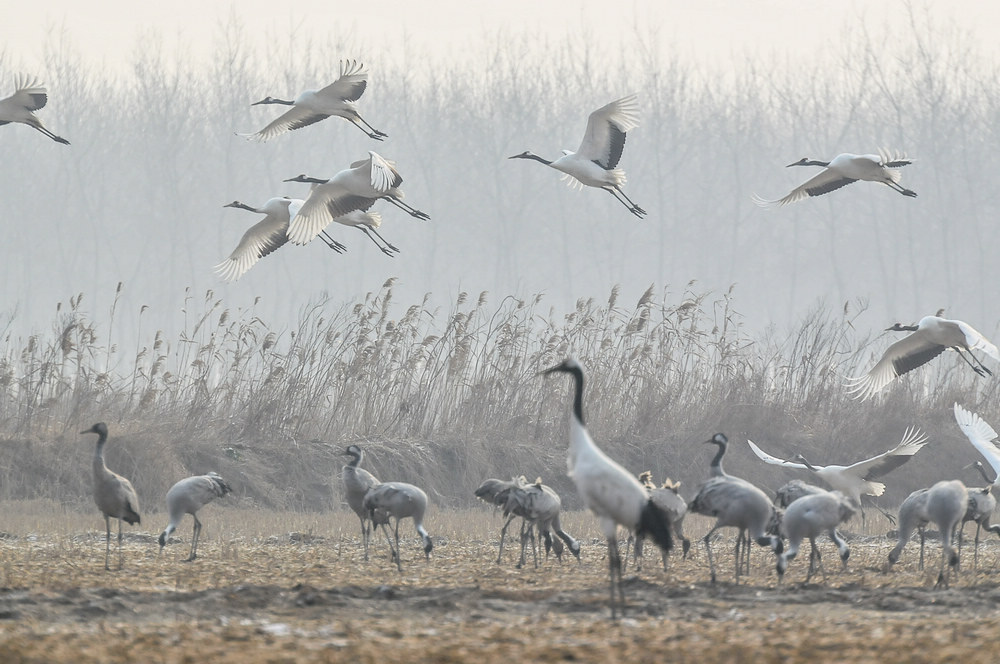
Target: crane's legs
(982,369)
(708,548)
(622,198)
(57,139)
(388,249)
(194,539)
(365,535)
(905,192)
(371,131)
(615,570)
(121,555)
(399,562)
(412,211)
(503,533)
(107,541)
(330,242)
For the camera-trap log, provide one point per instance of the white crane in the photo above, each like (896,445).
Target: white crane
(983,438)
(187,497)
(355,188)
(943,504)
(314,105)
(595,162)
(265,236)
(399,500)
(612,493)
(357,483)
(29,96)
(115,496)
(931,337)
(857,478)
(809,516)
(843,170)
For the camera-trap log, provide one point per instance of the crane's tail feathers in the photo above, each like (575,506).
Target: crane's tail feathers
(654,522)
(221,486)
(131,516)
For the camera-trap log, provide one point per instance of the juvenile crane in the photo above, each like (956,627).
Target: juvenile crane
(357,483)
(595,162)
(356,188)
(187,497)
(612,493)
(336,99)
(399,500)
(667,498)
(809,516)
(857,478)
(29,96)
(931,337)
(114,495)
(843,170)
(266,236)
(944,504)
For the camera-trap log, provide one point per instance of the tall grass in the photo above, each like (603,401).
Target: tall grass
(448,397)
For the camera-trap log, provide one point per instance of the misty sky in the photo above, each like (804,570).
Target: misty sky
(517,212)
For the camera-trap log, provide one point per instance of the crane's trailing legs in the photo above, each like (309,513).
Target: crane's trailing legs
(410,210)
(623,198)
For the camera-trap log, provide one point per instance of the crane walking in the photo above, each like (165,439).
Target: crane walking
(399,500)
(809,516)
(187,497)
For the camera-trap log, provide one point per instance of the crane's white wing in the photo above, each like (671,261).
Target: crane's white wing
(905,355)
(913,439)
(325,202)
(294,118)
(981,435)
(383,176)
(976,341)
(773,460)
(605,138)
(351,84)
(29,93)
(892,159)
(261,239)
(821,183)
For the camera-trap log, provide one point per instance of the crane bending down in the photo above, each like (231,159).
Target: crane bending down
(595,162)
(398,500)
(115,496)
(266,236)
(612,493)
(809,516)
(187,497)
(356,188)
(357,483)
(314,105)
(931,336)
(669,499)
(857,478)
(29,96)
(841,171)
(944,504)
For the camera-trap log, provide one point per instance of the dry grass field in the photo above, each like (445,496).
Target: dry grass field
(293,587)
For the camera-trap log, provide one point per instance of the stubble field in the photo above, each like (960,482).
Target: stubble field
(292,587)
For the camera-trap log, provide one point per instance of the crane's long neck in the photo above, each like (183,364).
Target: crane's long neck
(243,206)
(717,470)
(982,471)
(577,374)
(99,467)
(807,464)
(532,155)
(355,458)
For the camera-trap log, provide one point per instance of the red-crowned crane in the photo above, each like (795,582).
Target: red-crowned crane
(29,96)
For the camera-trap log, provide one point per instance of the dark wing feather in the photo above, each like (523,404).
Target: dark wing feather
(827,187)
(911,361)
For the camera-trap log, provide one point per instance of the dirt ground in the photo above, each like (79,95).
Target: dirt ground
(301,597)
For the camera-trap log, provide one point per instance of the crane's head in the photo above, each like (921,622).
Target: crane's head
(569,365)
(718,439)
(899,327)
(302,177)
(806,161)
(273,100)
(101,429)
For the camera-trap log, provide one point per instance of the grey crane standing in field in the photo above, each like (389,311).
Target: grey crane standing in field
(944,504)
(355,188)
(667,498)
(187,497)
(734,502)
(399,500)
(595,162)
(809,516)
(857,478)
(932,336)
(29,96)
(114,495)
(266,236)
(612,493)
(841,171)
(357,483)
(311,106)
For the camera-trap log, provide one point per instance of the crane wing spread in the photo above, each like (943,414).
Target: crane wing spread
(351,84)
(604,139)
(821,183)
(383,176)
(29,93)
(878,466)
(980,434)
(977,341)
(261,239)
(773,460)
(904,355)
(294,118)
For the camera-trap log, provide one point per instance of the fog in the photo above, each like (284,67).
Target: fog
(137,198)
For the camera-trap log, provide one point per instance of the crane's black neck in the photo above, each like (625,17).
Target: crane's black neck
(532,155)
(810,162)
(577,374)
(272,100)
(898,327)
(355,458)
(807,464)
(242,206)
(982,471)
(717,459)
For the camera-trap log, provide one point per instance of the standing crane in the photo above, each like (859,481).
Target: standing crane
(336,99)
(841,171)
(809,516)
(29,96)
(187,497)
(399,500)
(115,496)
(983,503)
(355,188)
(931,336)
(857,478)
(266,236)
(357,483)
(595,162)
(943,504)
(612,493)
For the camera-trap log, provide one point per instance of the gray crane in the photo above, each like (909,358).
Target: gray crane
(115,496)
(982,504)
(187,497)
(399,500)
(809,516)
(357,483)
(668,498)
(792,490)
(944,504)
